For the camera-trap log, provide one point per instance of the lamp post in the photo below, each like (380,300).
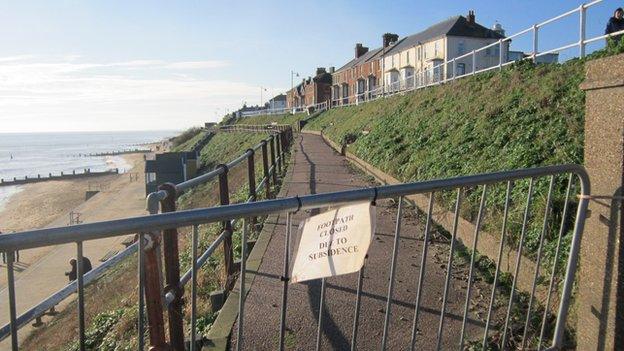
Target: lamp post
(292,85)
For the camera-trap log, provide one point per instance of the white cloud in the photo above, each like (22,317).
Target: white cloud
(58,93)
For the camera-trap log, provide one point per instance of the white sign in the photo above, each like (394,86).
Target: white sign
(334,242)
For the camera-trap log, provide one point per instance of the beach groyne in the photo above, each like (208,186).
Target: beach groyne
(116,153)
(86,173)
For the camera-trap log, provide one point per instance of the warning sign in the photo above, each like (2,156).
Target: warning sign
(334,242)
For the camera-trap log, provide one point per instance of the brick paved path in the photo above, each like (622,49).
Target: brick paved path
(316,168)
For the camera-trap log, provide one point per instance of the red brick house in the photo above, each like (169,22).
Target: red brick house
(311,90)
(360,78)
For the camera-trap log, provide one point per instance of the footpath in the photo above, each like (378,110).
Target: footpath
(316,168)
(36,281)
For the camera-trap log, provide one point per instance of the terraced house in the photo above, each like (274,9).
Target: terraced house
(422,55)
(311,90)
(359,79)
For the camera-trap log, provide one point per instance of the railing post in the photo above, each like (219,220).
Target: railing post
(454,68)
(273,165)
(172,270)
(228,253)
(582,29)
(535,42)
(251,175)
(153,294)
(474,62)
(265,170)
(278,151)
(500,54)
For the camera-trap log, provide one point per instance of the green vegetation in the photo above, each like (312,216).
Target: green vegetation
(186,139)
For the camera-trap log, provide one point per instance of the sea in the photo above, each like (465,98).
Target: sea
(30,154)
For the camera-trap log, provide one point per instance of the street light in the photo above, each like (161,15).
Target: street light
(261,90)
(292,85)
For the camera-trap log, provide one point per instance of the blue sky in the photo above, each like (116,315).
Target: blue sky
(131,65)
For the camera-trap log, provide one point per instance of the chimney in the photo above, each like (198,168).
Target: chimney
(471,17)
(389,38)
(332,69)
(320,70)
(498,28)
(360,50)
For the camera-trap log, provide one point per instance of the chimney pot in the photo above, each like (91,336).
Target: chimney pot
(360,50)
(471,16)
(389,38)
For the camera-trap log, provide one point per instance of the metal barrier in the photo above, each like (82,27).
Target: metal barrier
(447,70)
(169,220)
(149,250)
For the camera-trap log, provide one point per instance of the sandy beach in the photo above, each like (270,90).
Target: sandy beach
(40,271)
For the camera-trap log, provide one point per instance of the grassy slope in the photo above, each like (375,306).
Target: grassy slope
(521,117)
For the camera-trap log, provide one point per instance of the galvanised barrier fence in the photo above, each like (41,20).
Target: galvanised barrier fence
(169,220)
(152,297)
(448,70)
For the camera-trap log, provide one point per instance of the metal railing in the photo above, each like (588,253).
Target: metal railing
(265,111)
(482,59)
(273,150)
(268,128)
(150,226)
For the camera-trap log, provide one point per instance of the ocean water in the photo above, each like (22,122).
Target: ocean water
(29,154)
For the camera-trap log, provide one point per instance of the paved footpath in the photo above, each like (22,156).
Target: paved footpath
(125,198)
(316,168)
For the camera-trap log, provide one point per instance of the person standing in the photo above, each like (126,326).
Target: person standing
(616,24)
(73,273)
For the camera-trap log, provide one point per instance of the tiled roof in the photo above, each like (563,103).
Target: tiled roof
(454,26)
(364,58)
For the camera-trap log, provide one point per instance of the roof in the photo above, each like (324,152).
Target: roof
(364,58)
(280,97)
(455,26)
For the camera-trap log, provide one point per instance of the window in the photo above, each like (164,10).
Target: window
(419,53)
(408,58)
(425,49)
(392,61)
(461,69)
(460,48)
(435,49)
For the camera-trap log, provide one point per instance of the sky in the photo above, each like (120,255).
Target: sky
(168,65)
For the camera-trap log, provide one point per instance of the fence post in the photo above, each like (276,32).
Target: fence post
(251,175)
(474,62)
(500,54)
(278,151)
(600,323)
(172,270)
(265,170)
(273,165)
(535,42)
(454,68)
(228,253)
(152,283)
(582,29)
